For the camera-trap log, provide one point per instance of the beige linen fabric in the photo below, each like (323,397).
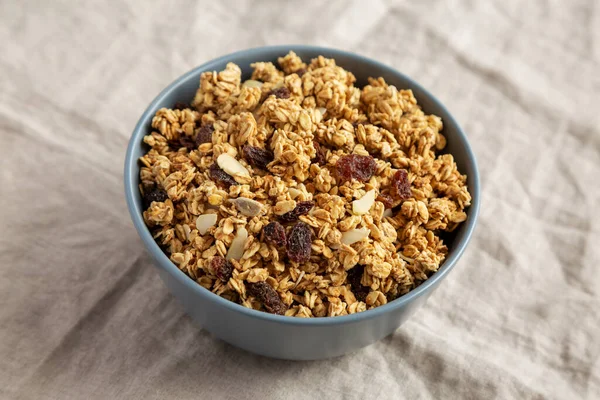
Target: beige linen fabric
(84,315)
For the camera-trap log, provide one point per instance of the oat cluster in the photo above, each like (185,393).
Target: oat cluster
(297,193)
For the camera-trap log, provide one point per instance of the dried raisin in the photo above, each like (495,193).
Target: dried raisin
(281,92)
(274,233)
(354,277)
(299,243)
(355,166)
(386,199)
(319,154)
(182,141)
(392,296)
(222,268)
(180,106)
(270,299)
(204,134)
(154,194)
(258,157)
(301,72)
(220,176)
(302,208)
(400,185)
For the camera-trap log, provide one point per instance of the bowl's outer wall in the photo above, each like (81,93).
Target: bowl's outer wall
(281,340)
(280,337)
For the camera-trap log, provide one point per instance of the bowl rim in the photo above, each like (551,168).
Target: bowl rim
(131,173)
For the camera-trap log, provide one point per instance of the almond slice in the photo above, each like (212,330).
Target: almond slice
(205,221)
(388,213)
(364,204)
(294,192)
(232,166)
(248,207)
(252,83)
(236,250)
(320,113)
(354,235)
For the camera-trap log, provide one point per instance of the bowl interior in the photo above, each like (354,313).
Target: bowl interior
(184,89)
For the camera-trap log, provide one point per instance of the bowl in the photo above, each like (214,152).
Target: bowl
(291,337)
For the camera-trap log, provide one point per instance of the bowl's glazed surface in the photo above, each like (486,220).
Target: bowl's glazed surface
(291,337)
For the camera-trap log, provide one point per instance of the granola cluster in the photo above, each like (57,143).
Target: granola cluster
(297,193)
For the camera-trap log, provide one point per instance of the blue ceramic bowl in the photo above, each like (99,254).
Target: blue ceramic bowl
(288,337)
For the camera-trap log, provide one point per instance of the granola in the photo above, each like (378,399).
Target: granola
(297,193)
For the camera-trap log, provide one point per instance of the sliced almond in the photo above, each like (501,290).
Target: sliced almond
(354,235)
(248,207)
(388,212)
(205,221)
(320,113)
(294,192)
(232,166)
(252,83)
(236,250)
(364,204)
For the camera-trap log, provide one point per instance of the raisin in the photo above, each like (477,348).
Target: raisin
(386,199)
(354,276)
(154,194)
(274,233)
(222,268)
(264,293)
(301,72)
(299,243)
(180,106)
(355,166)
(400,185)
(204,134)
(281,92)
(258,157)
(319,154)
(182,141)
(392,296)
(302,208)
(220,176)
(188,143)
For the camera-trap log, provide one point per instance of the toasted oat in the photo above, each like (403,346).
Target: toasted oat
(296,192)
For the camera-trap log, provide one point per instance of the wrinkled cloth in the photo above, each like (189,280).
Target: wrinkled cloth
(84,315)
